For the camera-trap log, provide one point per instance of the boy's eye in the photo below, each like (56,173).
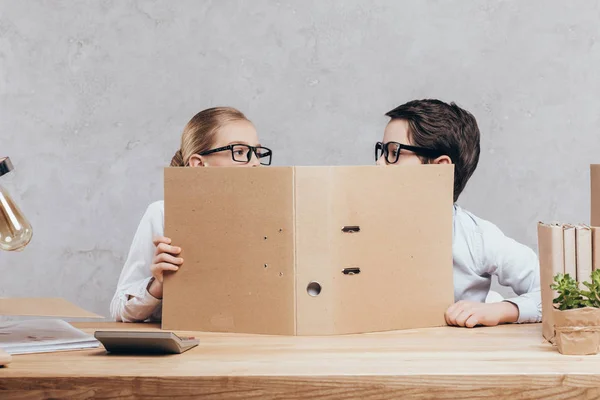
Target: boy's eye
(393,150)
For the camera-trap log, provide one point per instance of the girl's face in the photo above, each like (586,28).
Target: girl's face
(234,133)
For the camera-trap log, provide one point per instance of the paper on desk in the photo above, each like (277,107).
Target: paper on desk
(42,336)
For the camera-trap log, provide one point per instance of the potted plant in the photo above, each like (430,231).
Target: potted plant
(577,314)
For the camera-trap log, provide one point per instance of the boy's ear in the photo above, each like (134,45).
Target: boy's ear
(442,160)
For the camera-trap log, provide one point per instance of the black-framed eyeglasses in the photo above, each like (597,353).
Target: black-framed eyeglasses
(242,153)
(391,151)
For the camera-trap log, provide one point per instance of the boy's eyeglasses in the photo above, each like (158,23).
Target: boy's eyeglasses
(391,151)
(242,153)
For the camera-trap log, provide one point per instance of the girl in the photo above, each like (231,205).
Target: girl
(214,137)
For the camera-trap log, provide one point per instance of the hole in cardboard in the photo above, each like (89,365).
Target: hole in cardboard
(351,271)
(351,229)
(313,289)
(266,265)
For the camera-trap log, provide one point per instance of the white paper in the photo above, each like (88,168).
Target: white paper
(42,336)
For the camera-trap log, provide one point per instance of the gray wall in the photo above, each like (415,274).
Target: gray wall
(94,95)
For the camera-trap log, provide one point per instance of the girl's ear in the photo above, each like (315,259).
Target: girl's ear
(442,160)
(197,161)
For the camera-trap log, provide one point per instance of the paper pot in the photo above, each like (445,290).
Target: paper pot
(577,331)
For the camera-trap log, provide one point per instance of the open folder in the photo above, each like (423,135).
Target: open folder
(37,307)
(42,336)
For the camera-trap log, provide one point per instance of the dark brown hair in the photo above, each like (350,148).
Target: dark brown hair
(199,134)
(446,128)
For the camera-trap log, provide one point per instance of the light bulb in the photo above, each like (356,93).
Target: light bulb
(15,230)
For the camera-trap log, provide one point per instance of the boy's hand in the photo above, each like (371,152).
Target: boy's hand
(470,313)
(164,260)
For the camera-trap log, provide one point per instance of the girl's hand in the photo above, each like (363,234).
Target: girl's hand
(165,259)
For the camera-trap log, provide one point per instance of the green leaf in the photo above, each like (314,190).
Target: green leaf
(569,294)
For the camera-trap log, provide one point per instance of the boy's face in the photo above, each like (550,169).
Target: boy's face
(397,131)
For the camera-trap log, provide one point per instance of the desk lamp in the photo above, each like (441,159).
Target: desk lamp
(15,230)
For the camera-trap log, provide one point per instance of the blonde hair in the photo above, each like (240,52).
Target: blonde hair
(199,134)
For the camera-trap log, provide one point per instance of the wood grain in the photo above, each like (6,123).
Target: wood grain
(442,363)
(5,358)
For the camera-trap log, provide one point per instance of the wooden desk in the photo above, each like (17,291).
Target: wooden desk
(444,363)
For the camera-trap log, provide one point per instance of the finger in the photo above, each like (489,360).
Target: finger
(472,321)
(166,267)
(448,322)
(462,318)
(452,315)
(161,239)
(165,248)
(158,269)
(455,306)
(451,309)
(161,268)
(463,307)
(167,258)
(447,317)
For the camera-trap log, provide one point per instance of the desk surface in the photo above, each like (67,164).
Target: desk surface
(424,363)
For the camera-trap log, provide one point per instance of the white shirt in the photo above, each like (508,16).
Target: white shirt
(480,250)
(132,302)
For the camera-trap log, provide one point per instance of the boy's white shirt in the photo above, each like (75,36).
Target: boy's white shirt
(480,250)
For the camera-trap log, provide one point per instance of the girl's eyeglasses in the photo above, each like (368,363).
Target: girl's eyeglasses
(242,153)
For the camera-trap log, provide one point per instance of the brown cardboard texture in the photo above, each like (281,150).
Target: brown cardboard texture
(595,248)
(595,201)
(42,307)
(309,250)
(551,251)
(570,250)
(584,254)
(577,331)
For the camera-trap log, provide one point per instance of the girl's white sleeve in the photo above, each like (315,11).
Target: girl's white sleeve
(131,301)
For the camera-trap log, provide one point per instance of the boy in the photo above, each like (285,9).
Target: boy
(431,131)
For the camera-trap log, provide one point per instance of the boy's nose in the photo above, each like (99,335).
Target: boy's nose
(381,161)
